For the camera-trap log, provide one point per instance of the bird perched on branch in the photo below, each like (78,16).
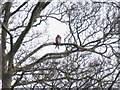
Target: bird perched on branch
(58,41)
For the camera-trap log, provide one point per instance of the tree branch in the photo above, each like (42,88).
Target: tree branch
(52,55)
(18,8)
(35,13)
(18,80)
(44,45)
(113,82)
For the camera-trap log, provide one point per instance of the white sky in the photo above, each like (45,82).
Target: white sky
(56,27)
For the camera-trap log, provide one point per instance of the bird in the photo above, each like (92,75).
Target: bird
(58,41)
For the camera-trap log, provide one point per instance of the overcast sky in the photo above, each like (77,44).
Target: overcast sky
(56,27)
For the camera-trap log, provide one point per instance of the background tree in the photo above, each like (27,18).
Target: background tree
(90,58)
(93,29)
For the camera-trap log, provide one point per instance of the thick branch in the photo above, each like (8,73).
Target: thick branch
(35,13)
(52,55)
(46,57)
(44,45)
(18,8)
(39,81)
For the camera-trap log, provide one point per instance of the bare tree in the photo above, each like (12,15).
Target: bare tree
(92,28)
(9,17)
(89,61)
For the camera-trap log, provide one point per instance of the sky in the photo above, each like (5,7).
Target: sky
(56,27)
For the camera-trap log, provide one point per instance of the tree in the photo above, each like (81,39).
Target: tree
(99,33)
(93,28)
(89,60)
(8,68)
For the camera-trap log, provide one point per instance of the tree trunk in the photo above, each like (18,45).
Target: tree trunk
(6,81)
(0,58)
(6,71)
